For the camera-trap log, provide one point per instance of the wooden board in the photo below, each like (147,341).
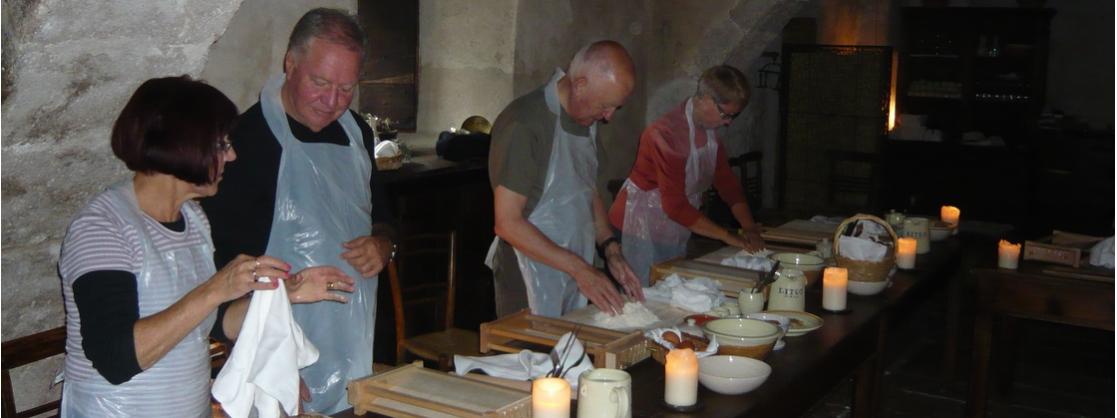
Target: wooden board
(732,279)
(608,348)
(414,391)
(1060,248)
(669,315)
(799,232)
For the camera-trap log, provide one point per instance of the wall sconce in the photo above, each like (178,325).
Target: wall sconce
(769,74)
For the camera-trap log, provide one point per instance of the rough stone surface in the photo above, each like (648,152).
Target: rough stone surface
(68,67)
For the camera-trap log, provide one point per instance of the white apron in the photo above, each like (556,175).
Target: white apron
(649,236)
(564,214)
(322,201)
(177,384)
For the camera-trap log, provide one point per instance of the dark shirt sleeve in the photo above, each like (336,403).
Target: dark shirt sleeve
(381,209)
(240,214)
(513,163)
(108,304)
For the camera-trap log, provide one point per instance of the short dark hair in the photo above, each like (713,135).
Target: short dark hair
(332,25)
(724,84)
(174,125)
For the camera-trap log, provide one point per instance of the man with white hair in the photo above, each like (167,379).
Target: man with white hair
(548,215)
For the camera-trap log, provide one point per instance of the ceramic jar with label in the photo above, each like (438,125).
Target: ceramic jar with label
(920,229)
(789,291)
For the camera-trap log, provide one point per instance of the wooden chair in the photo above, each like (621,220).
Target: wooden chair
(854,180)
(749,166)
(26,350)
(419,288)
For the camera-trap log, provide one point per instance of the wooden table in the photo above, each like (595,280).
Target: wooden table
(811,365)
(1030,293)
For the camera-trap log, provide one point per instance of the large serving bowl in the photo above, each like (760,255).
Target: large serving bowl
(866,288)
(732,375)
(810,265)
(743,337)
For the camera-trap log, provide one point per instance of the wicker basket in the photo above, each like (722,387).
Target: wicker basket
(866,271)
(389,163)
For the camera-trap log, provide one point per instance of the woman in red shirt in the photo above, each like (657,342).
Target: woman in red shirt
(679,158)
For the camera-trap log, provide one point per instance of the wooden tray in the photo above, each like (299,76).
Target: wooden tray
(608,348)
(800,232)
(412,391)
(1060,248)
(732,279)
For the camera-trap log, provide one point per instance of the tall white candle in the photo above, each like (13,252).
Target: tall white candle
(681,387)
(1008,255)
(834,282)
(550,398)
(905,253)
(950,215)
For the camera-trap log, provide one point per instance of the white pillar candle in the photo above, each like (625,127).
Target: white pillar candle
(550,398)
(1008,255)
(950,215)
(681,383)
(905,253)
(834,281)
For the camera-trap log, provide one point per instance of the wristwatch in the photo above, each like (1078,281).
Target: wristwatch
(605,245)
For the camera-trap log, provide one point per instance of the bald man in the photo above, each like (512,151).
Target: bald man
(549,218)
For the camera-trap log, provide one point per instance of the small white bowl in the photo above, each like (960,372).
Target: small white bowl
(866,288)
(810,265)
(732,375)
(742,332)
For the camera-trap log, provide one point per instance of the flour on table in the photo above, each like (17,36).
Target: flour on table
(635,315)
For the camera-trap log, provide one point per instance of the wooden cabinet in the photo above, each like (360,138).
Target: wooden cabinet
(975,69)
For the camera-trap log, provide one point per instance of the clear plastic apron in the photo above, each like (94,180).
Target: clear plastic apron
(322,201)
(177,384)
(564,214)
(649,236)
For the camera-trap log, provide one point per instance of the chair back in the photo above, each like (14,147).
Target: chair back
(749,165)
(854,180)
(423,278)
(26,350)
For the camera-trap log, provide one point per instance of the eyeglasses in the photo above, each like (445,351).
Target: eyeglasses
(725,116)
(224,145)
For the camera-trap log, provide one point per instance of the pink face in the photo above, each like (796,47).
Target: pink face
(227,154)
(710,115)
(598,101)
(320,83)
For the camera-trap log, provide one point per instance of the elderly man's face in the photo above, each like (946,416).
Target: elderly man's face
(598,100)
(320,83)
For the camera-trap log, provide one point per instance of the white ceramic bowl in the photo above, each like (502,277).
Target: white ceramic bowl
(732,375)
(775,319)
(866,288)
(742,332)
(810,265)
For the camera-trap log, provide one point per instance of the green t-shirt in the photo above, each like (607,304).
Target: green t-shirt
(521,145)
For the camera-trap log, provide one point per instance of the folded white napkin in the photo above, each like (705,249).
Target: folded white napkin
(699,294)
(1102,253)
(263,369)
(528,365)
(856,248)
(387,149)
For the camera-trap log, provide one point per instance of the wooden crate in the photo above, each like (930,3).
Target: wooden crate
(733,279)
(608,348)
(799,232)
(1060,248)
(412,391)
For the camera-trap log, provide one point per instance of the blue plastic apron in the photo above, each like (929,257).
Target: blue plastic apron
(322,201)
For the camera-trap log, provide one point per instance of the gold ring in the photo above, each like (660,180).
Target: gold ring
(330,285)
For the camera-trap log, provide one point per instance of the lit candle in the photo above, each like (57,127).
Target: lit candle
(550,398)
(834,281)
(905,253)
(950,215)
(1008,255)
(682,378)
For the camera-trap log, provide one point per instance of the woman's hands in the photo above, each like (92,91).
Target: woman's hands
(313,284)
(242,275)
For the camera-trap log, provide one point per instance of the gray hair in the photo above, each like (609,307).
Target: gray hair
(332,25)
(724,84)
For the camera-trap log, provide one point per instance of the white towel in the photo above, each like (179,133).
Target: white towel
(528,365)
(1102,254)
(263,369)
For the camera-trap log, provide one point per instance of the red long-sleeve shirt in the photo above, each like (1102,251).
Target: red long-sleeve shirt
(661,162)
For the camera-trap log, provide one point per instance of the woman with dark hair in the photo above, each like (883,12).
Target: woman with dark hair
(141,291)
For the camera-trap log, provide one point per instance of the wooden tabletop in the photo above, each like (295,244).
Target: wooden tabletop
(812,364)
